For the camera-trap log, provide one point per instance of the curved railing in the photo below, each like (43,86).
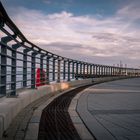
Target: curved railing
(25,65)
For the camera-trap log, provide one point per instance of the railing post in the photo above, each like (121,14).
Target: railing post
(53,71)
(84,71)
(103,70)
(48,70)
(114,71)
(108,71)
(76,70)
(73,69)
(42,74)
(99,70)
(25,51)
(33,70)
(95,72)
(96,69)
(3,70)
(111,71)
(90,70)
(68,70)
(117,71)
(64,70)
(87,69)
(80,69)
(13,69)
(59,71)
(3,66)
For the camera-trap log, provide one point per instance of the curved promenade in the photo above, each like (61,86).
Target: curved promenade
(111,111)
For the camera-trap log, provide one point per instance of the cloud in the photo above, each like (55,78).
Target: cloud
(47,2)
(81,37)
(130,11)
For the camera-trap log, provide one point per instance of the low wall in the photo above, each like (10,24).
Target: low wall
(10,107)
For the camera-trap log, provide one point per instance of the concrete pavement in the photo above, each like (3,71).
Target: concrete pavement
(111,111)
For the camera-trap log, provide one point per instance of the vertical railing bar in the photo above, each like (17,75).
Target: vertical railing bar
(64,69)
(33,70)
(68,70)
(76,70)
(14,70)
(53,76)
(25,51)
(73,69)
(3,69)
(90,70)
(58,73)
(48,70)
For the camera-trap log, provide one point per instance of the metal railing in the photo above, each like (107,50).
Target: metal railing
(25,65)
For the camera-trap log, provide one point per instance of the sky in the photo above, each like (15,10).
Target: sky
(96,31)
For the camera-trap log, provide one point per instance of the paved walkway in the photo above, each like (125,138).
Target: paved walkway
(111,111)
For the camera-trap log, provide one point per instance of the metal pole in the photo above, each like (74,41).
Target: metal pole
(84,70)
(3,66)
(64,70)
(48,70)
(13,69)
(58,74)
(81,69)
(96,70)
(33,68)
(73,70)
(90,70)
(77,70)
(42,78)
(53,76)
(25,67)
(68,70)
(87,69)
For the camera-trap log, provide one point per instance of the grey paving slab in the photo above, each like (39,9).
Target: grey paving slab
(121,123)
(83,132)
(32,132)
(35,119)
(112,108)
(133,137)
(76,119)
(91,122)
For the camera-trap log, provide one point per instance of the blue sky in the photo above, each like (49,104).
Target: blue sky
(98,31)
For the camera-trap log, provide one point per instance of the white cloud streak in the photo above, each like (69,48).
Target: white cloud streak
(110,39)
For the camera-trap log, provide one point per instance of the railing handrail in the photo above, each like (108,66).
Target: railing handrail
(65,68)
(6,19)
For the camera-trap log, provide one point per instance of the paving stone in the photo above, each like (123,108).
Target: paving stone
(32,132)
(133,137)
(83,132)
(73,113)
(35,119)
(76,119)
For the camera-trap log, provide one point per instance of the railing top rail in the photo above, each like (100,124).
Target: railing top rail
(5,19)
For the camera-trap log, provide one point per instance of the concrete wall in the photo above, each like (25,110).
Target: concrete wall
(10,107)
